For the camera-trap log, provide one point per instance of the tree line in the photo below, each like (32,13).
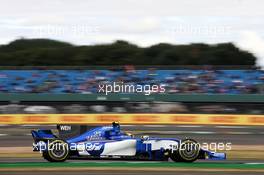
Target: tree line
(46,52)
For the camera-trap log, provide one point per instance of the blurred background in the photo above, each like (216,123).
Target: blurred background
(44,76)
(189,89)
(209,56)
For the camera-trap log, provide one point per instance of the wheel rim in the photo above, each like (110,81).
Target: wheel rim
(189,150)
(58,150)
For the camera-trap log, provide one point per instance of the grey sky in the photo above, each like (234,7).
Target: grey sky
(143,22)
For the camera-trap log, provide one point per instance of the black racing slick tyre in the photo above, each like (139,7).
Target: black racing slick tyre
(187,151)
(58,151)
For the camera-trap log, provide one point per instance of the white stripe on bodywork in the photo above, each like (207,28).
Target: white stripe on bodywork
(122,148)
(158,144)
(115,148)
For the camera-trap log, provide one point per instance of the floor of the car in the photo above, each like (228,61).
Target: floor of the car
(113,158)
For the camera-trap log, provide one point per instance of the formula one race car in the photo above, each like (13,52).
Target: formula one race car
(109,142)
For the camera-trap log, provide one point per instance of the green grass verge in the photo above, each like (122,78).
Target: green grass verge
(219,165)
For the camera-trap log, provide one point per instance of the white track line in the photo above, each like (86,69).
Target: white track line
(239,133)
(189,126)
(3,134)
(181,132)
(232,127)
(203,132)
(199,132)
(155,126)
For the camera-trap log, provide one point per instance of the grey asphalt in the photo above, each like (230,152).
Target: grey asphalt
(40,159)
(116,172)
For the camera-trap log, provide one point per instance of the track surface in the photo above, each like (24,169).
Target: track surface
(41,160)
(117,167)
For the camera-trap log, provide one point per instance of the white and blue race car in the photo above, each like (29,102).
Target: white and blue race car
(109,142)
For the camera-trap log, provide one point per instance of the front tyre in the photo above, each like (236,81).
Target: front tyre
(188,151)
(58,151)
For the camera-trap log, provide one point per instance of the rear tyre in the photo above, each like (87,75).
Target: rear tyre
(58,151)
(188,151)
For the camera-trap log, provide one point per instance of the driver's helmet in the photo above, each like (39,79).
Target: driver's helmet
(116,126)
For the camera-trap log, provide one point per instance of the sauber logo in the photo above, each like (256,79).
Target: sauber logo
(97,135)
(93,146)
(65,128)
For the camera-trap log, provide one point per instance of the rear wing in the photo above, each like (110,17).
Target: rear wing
(42,135)
(67,131)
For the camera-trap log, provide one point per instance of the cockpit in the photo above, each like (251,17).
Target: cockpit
(103,133)
(115,133)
